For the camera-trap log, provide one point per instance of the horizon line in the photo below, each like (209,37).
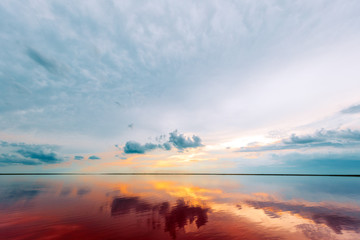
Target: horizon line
(188,174)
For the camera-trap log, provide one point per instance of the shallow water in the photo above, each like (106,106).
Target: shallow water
(179,207)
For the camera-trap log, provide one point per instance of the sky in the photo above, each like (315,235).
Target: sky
(180,86)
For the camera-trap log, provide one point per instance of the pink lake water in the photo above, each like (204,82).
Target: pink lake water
(179,207)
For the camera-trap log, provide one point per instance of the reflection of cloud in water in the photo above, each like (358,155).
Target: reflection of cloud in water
(176,217)
(336,218)
(124,205)
(183,214)
(144,208)
(315,232)
(83,191)
(338,222)
(65,191)
(21,191)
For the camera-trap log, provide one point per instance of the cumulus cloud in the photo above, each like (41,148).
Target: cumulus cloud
(352,109)
(135,147)
(179,141)
(321,138)
(93,157)
(167,146)
(78,157)
(27,154)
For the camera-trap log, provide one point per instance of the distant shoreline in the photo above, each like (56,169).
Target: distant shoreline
(193,174)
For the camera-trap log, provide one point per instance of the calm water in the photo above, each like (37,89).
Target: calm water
(179,207)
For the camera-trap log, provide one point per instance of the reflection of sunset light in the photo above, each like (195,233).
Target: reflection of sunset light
(195,193)
(86,205)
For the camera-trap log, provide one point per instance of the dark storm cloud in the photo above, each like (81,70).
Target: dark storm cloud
(93,157)
(27,154)
(352,109)
(321,138)
(179,141)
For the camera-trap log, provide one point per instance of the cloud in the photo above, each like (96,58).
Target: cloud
(20,191)
(78,157)
(167,146)
(326,135)
(11,159)
(179,141)
(48,64)
(351,110)
(40,155)
(321,138)
(146,64)
(135,147)
(27,154)
(93,157)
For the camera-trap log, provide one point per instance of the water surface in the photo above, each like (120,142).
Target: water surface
(179,207)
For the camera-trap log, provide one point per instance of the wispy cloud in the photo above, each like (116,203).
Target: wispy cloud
(351,110)
(321,138)
(155,67)
(160,57)
(45,62)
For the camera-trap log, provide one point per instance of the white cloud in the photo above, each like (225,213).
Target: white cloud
(200,66)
